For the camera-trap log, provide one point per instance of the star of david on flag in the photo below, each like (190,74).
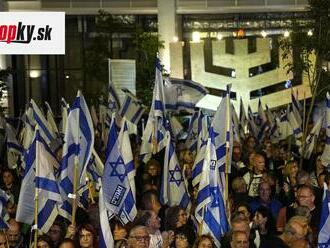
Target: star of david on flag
(173,191)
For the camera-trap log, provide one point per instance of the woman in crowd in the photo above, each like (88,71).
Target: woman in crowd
(86,236)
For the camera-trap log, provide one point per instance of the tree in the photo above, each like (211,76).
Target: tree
(145,46)
(305,43)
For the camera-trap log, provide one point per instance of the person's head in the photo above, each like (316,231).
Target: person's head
(8,177)
(239,185)
(149,201)
(291,169)
(300,243)
(239,222)
(237,153)
(204,241)
(251,143)
(175,217)
(244,209)
(303,211)
(258,163)
(265,191)
(263,219)
(303,177)
(44,242)
(57,231)
(118,230)
(239,239)
(306,196)
(13,233)
(149,219)
(139,237)
(321,179)
(295,229)
(3,240)
(181,240)
(153,168)
(186,156)
(86,236)
(67,243)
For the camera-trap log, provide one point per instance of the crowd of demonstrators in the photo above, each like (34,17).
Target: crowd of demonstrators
(274,202)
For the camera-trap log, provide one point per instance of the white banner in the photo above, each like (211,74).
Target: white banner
(32,33)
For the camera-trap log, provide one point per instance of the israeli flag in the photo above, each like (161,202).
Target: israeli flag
(252,125)
(153,138)
(183,94)
(222,129)
(132,108)
(324,233)
(39,181)
(325,158)
(235,124)
(297,109)
(64,114)
(312,138)
(4,217)
(197,131)
(105,234)
(51,119)
(173,190)
(210,209)
(128,211)
(295,126)
(39,119)
(115,180)
(113,99)
(262,121)
(78,145)
(46,185)
(14,149)
(242,120)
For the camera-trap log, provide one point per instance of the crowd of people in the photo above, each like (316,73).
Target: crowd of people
(275,201)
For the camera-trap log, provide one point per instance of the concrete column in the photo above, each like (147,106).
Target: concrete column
(169,25)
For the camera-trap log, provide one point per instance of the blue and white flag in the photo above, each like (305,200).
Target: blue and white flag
(312,138)
(235,123)
(153,138)
(285,129)
(132,108)
(222,129)
(128,211)
(183,94)
(113,99)
(194,131)
(202,137)
(210,210)
(261,121)
(325,158)
(39,119)
(105,234)
(117,175)
(15,150)
(173,189)
(297,109)
(46,185)
(4,217)
(77,148)
(254,130)
(295,126)
(51,120)
(324,233)
(39,181)
(64,114)
(242,120)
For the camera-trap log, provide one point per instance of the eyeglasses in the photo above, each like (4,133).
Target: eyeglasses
(141,238)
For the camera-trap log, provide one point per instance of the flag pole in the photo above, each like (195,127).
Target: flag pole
(75,176)
(228,120)
(36,198)
(304,127)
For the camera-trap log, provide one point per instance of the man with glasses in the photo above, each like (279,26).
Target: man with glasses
(139,237)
